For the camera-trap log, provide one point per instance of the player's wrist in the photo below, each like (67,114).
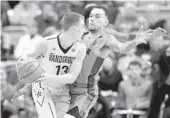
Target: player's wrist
(137,41)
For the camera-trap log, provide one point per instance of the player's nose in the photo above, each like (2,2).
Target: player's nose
(91,19)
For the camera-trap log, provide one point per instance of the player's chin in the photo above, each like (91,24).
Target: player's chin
(92,29)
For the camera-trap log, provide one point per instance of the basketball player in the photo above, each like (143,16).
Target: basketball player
(159,96)
(84,92)
(58,55)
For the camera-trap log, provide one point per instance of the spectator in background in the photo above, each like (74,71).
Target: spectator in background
(153,13)
(4,16)
(7,49)
(7,90)
(24,12)
(135,92)
(108,80)
(27,40)
(157,51)
(77,6)
(161,62)
(142,21)
(110,77)
(112,10)
(47,20)
(147,68)
(127,17)
(124,61)
(62,7)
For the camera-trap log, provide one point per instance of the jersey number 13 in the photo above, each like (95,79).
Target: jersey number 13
(59,68)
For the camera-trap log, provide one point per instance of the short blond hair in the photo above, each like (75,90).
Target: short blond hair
(71,19)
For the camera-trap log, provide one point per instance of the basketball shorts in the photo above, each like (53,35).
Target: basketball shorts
(48,104)
(83,100)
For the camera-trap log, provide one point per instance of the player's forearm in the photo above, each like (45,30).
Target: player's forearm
(125,36)
(56,80)
(125,47)
(119,35)
(19,85)
(26,87)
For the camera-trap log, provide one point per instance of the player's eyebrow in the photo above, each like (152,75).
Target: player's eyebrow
(97,14)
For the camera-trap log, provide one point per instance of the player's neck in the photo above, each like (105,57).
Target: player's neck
(96,34)
(66,40)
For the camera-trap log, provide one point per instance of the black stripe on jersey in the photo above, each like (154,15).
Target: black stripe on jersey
(64,50)
(51,109)
(100,37)
(51,38)
(97,65)
(82,37)
(88,51)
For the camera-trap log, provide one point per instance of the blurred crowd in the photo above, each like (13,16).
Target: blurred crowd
(126,81)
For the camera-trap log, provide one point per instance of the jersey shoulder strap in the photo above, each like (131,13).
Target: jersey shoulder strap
(51,37)
(82,38)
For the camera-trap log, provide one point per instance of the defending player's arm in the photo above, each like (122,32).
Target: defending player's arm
(118,46)
(21,90)
(70,77)
(123,37)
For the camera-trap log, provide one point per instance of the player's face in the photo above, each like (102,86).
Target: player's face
(97,19)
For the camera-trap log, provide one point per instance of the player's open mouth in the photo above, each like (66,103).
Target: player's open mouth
(91,24)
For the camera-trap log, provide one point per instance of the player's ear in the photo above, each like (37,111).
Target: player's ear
(70,29)
(73,28)
(106,22)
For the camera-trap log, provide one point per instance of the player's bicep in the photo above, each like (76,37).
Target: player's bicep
(39,49)
(110,31)
(123,37)
(78,62)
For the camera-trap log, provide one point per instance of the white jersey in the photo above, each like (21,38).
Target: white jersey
(57,61)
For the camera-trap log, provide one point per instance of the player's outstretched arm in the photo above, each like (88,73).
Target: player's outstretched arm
(117,46)
(70,77)
(140,37)
(123,37)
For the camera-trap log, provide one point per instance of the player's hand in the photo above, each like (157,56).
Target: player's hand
(18,94)
(159,32)
(44,78)
(143,36)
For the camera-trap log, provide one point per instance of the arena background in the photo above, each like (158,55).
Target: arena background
(24,21)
